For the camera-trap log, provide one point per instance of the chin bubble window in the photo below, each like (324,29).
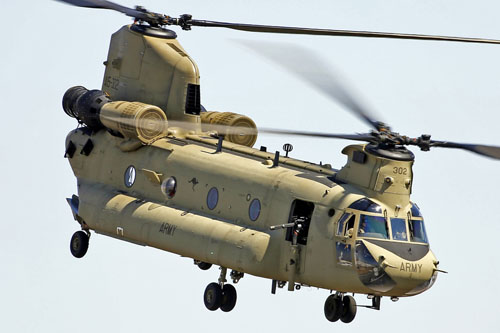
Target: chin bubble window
(212,198)
(254,209)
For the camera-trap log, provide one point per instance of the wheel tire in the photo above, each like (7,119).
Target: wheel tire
(204,265)
(228,298)
(213,296)
(79,244)
(333,308)
(349,312)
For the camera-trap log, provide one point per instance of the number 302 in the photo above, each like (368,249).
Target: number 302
(400,170)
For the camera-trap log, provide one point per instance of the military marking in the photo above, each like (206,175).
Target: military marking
(167,229)
(412,268)
(400,170)
(111,82)
(194,181)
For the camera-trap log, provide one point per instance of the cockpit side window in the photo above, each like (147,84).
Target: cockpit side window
(415,211)
(341,224)
(350,226)
(417,231)
(373,226)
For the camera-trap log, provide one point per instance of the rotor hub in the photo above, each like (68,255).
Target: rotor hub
(398,153)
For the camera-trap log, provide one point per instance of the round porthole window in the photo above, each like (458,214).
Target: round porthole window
(169,187)
(212,198)
(254,209)
(129,176)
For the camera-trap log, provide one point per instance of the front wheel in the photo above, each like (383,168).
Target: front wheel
(228,298)
(333,308)
(213,296)
(349,312)
(79,244)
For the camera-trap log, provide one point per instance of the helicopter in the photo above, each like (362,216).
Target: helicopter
(185,188)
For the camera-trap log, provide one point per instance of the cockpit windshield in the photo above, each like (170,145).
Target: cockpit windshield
(398,227)
(373,226)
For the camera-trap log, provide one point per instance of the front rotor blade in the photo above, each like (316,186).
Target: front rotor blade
(103,4)
(330,32)
(355,137)
(308,66)
(238,130)
(489,151)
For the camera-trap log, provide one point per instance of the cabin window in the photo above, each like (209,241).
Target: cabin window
(254,209)
(398,227)
(212,198)
(373,226)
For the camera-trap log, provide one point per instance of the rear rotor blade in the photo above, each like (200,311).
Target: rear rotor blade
(330,32)
(308,66)
(103,4)
(489,151)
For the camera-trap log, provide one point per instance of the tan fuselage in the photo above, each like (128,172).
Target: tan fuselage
(224,235)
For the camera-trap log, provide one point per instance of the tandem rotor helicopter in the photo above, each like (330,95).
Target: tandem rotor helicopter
(155,168)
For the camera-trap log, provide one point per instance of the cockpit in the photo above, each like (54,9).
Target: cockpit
(369,239)
(374,223)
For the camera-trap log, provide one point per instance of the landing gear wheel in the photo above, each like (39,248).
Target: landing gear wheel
(204,265)
(333,308)
(349,309)
(213,296)
(79,244)
(228,298)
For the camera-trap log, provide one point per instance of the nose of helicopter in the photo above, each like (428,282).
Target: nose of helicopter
(387,268)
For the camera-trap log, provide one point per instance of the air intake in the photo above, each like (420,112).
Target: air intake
(193,105)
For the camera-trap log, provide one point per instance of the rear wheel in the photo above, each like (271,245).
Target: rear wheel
(79,244)
(228,298)
(213,296)
(333,308)
(204,265)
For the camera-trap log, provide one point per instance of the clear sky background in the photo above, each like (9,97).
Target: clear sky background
(449,90)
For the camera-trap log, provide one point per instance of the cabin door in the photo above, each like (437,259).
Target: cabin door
(294,252)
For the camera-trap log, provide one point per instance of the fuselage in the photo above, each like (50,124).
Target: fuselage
(180,195)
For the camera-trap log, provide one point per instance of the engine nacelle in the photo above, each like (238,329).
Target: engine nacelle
(235,127)
(135,120)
